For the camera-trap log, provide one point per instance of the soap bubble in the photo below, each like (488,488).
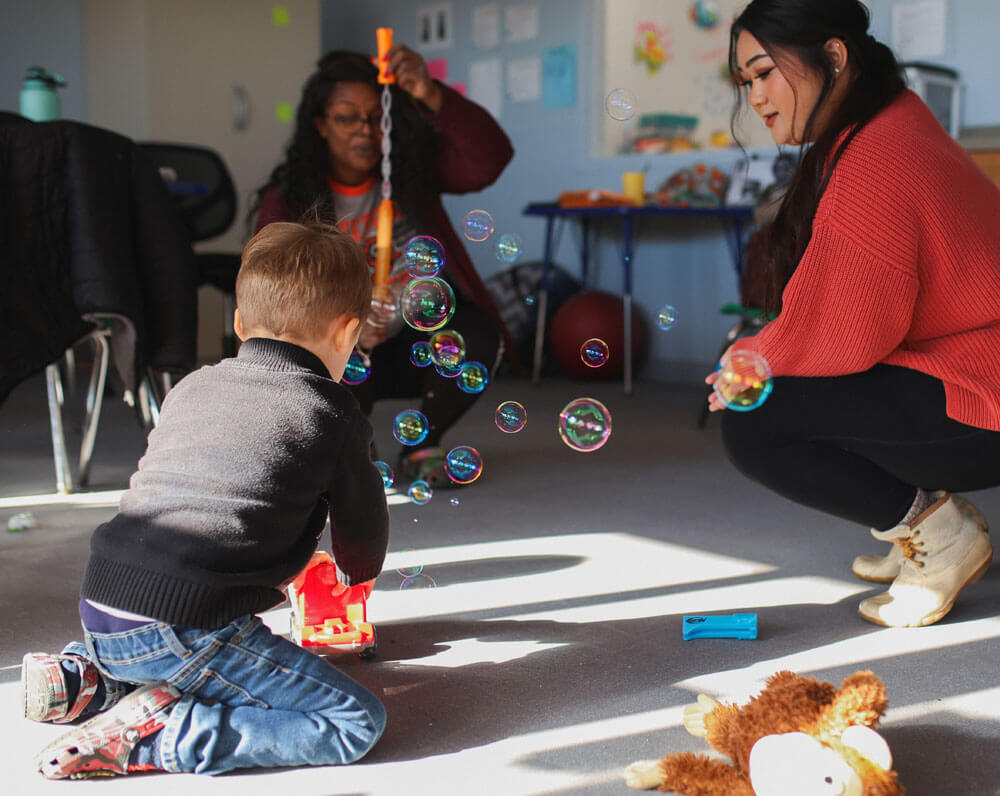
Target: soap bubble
(427,304)
(357,370)
(477,225)
(666,317)
(529,300)
(594,352)
(744,381)
(447,348)
(463,464)
(448,371)
(473,377)
(410,427)
(421,354)
(620,104)
(22,521)
(385,471)
(420,492)
(411,568)
(585,424)
(509,247)
(418,582)
(510,417)
(454,501)
(424,256)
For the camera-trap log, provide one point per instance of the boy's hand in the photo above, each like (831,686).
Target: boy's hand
(359,592)
(412,76)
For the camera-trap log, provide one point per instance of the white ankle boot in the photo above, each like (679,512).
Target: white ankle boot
(884,569)
(941,554)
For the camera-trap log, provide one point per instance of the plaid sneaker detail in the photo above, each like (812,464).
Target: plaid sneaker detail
(102,746)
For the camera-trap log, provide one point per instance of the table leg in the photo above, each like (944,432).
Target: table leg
(627,299)
(585,251)
(541,303)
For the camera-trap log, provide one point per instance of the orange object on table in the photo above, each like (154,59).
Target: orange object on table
(594,198)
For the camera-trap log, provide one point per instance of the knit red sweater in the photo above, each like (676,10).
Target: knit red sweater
(903,268)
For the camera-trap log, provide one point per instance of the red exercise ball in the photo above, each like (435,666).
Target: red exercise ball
(601,315)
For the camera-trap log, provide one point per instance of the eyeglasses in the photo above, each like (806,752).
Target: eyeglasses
(348,125)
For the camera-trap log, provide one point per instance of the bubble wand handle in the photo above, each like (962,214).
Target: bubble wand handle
(383,232)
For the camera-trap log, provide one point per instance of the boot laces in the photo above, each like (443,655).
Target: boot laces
(912,547)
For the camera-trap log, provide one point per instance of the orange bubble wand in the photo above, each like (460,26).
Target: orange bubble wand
(383,236)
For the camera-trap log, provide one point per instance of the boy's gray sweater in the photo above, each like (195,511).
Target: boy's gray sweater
(232,494)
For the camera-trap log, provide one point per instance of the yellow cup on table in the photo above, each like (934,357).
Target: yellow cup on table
(634,186)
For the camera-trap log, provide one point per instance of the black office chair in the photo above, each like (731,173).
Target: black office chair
(201,186)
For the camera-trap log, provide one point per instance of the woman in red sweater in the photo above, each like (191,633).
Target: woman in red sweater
(441,143)
(884,275)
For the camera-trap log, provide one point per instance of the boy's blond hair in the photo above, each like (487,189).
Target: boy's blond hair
(296,278)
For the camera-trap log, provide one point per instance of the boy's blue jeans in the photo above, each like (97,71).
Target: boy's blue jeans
(250,698)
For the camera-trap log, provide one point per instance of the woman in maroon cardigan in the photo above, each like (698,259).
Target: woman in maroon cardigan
(441,143)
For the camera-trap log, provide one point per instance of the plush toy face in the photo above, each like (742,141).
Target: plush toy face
(797,763)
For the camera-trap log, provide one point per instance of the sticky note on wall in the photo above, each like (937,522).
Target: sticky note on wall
(280,16)
(284,112)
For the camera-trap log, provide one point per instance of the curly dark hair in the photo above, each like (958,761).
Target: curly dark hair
(799,29)
(301,177)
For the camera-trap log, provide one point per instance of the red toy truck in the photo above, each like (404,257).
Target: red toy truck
(325,619)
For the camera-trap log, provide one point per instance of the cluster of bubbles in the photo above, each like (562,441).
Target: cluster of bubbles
(478,225)
(620,104)
(744,381)
(594,352)
(585,424)
(357,369)
(413,574)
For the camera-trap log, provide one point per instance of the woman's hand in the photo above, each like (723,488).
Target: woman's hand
(412,76)
(714,402)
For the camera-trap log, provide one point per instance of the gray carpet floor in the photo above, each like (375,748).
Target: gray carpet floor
(549,655)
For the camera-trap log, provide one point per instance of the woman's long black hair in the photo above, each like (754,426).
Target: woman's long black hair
(798,29)
(301,177)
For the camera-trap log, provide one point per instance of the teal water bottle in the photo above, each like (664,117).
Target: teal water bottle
(39,100)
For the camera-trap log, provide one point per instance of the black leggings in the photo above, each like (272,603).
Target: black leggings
(858,446)
(394,376)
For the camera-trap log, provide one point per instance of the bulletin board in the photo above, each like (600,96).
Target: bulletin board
(672,56)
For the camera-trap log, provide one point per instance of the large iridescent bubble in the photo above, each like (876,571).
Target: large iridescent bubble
(427,304)
(585,424)
(410,427)
(356,370)
(421,354)
(477,225)
(420,492)
(424,256)
(473,377)
(510,417)
(447,348)
(463,464)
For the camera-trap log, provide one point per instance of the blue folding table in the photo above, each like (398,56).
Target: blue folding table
(732,218)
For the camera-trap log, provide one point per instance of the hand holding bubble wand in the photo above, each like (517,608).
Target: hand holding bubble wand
(383,301)
(383,238)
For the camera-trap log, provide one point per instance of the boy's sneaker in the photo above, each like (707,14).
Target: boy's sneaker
(102,746)
(44,691)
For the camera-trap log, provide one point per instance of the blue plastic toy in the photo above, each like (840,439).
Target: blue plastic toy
(742,626)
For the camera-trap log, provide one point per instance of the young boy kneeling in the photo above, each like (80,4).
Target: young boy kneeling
(228,504)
